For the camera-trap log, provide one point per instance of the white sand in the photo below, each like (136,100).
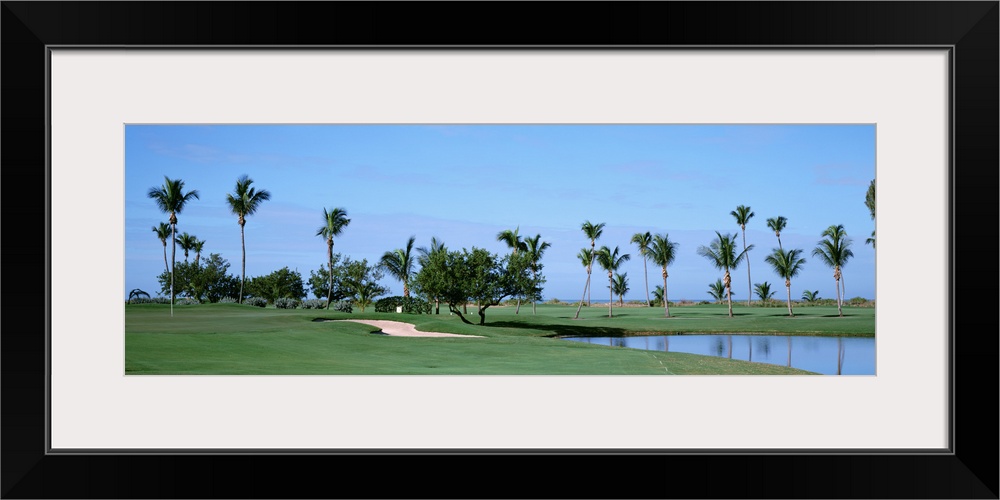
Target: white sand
(400,329)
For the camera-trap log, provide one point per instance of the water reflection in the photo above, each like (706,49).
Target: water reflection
(826,355)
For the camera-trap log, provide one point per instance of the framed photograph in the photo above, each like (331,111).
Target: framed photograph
(921,76)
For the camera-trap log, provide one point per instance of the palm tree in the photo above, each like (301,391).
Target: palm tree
(763,291)
(718,291)
(425,256)
(593,232)
(197,246)
(334,222)
(870,203)
(610,261)
(787,265)
(186,241)
(722,254)
(834,251)
(399,264)
(163,232)
(535,247)
(662,251)
(643,240)
(619,287)
(743,215)
(777,224)
(244,201)
(171,199)
(812,296)
(658,294)
(513,241)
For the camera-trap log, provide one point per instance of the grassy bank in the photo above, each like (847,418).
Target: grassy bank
(234,339)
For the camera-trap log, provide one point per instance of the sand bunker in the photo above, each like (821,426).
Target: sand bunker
(400,329)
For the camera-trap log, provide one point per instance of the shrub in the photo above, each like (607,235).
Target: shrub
(342,306)
(553,301)
(228,300)
(148,300)
(184,301)
(255,301)
(410,305)
(313,304)
(286,303)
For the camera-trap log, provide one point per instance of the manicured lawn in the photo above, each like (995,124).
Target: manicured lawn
(230,339)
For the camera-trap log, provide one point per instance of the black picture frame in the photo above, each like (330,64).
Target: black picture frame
(969,28)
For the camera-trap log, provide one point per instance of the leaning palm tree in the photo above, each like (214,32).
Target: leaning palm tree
(722,254)
(334,222)
(834,251)
(197,247)
(593,232)
(870,203)
(777,224)
(535,247)
(186,242)
(514,242)
(610,261)
(787,265)
(163,232)
(399,264)
(662,252)
(244,201)
(171,199)
(424,258)
(743,215)
(619,287)
(643,240)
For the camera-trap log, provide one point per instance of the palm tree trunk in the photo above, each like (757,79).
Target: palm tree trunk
(747,256)
(645,275)
(243,266)
(585,289)
(166,265)
(843,287)
(788,290)
(840,311)
(173,264)
(729,292)
(666,306)
(611,294)
(518,309)
(329,260)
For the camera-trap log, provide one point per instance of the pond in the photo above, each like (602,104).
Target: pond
(824,355)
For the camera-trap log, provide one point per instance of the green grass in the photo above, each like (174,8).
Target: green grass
(232,339)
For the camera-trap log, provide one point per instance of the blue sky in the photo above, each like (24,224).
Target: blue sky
(465,183)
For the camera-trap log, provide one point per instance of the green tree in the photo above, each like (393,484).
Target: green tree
(209,282)
(425,254)
(643,241)
(810,296)
(763,291)
(243,202)
(163,232)
(171,199)
(619,287)
(535,247)
(362,283)
(399,264)
(777,224)
(743,216)
(663,251)
(610,261)
(593,232)
(320,281)
(870,203)
(787,265)
(334,222)
(281,284)
(186,242)
(514,242)
(835,250)
(722,254)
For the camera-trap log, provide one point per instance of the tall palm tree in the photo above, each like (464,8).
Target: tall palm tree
(743,215)
(834,251)
(787,265)
(514,242)
(197,246)
(424,257)
(399,264)
(163,232)
(610,261)
(722,254)
(643,240)
(593,232)
(777,224)
(171,199)
(619,287)
(243,202)
(662,251)
(186,242)
(870,203)
(535,247)
(334,222)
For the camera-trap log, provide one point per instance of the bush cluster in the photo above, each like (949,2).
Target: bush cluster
(228,300)
(410,305)
(255,301)
(342,306)
(313,304)
(148,300)
(286,303)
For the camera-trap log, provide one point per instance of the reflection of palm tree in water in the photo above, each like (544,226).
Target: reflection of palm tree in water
(840,355)
(789,350)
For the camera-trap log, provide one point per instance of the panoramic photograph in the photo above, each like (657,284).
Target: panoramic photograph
(520,249)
